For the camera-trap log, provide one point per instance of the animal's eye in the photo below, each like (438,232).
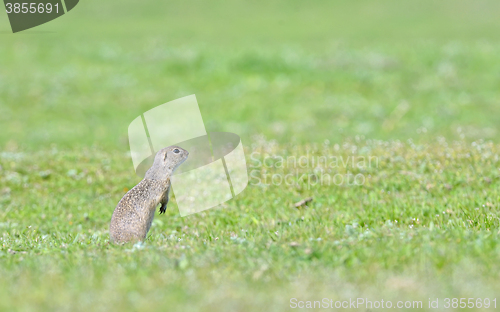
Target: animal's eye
(176,151)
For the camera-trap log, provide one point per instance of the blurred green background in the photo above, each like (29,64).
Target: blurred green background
(292,70)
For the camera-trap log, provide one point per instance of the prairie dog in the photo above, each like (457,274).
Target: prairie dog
(134,213)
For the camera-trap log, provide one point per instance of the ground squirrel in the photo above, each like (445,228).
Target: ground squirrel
(134,213)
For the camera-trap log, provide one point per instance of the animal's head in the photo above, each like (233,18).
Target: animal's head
(166,161)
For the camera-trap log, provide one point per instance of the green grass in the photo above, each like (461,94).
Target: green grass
(425,224)
(414,86)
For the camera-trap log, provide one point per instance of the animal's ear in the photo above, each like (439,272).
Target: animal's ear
(165,157)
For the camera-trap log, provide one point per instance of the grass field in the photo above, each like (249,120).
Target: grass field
(412,85)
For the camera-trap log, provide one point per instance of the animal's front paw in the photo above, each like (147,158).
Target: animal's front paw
(163,208)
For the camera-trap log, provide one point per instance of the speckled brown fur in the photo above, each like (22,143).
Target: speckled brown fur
(134,213)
